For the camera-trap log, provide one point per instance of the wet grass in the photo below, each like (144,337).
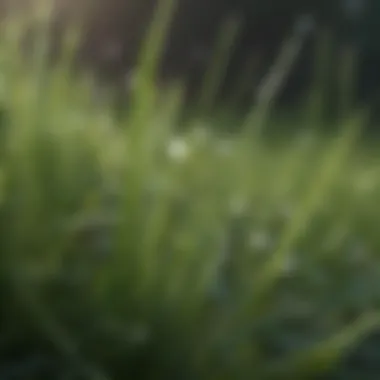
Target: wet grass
(131,247)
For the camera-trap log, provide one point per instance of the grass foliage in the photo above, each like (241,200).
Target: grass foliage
(134,249)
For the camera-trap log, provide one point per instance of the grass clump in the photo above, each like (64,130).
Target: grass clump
(131,249)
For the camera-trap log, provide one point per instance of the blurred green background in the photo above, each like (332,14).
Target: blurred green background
(224,230)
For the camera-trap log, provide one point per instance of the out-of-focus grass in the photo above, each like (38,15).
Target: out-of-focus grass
(131,249)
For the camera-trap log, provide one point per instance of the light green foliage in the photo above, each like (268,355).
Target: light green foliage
(130,249)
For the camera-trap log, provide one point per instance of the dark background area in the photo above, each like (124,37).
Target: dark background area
(114,30)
